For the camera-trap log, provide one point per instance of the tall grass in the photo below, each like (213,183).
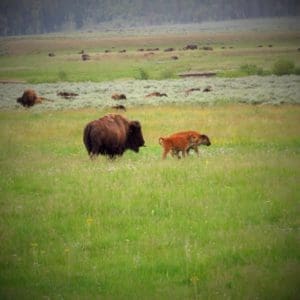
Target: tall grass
(224,225)
(142,74)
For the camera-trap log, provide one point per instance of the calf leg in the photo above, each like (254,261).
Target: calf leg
(196,150)
(165,153)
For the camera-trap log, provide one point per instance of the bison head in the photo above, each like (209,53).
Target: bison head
(135,138)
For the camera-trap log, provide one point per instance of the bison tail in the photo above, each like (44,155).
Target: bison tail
(161,140)
(86,138)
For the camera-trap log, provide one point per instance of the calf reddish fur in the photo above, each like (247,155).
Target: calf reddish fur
(202,140)
(175,144)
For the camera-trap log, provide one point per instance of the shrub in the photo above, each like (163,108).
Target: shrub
(62,75)
(297,71)
(166,74)
(283,67)
(251,69)
(244,70)
(142,74)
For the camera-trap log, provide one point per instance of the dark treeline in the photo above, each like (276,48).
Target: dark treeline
(42,16)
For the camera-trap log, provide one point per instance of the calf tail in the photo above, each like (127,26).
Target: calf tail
(161,140)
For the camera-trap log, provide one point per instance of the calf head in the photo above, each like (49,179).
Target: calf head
(204,140)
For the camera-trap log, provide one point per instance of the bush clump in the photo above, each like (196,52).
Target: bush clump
(142,74)
(251,69)
(297,71)
(62,76)
(166,74)
(283,67)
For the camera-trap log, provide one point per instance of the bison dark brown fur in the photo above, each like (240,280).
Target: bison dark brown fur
(112,135)
(118,97)
(156,94)
(119,107)
(29,98)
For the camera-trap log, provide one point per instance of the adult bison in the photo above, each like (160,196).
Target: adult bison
(29,98)
(118,97)
(112,135)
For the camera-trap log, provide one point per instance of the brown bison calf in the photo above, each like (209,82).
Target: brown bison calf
(175,144)
(202,139)
(29,98)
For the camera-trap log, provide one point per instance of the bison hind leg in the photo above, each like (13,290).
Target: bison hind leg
(93,155)
(94,151)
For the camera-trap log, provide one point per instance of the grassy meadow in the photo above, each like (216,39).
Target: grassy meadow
(26,58)
(221,226)
(224,225)
(68,65)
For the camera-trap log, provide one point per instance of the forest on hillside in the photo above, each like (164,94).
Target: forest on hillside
(19,17)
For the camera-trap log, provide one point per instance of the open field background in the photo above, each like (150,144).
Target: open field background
(221,226)
(237,44)
(225,225)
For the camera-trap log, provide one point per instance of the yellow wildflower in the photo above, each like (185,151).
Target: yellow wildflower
(89,221)
(194,279)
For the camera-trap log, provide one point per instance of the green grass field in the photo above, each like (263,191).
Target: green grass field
(221,226)
(224,225)
(26,58)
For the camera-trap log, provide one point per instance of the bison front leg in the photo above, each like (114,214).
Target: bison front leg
(113,156)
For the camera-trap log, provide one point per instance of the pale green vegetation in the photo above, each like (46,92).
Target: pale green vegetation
(221,226)
(251,89)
